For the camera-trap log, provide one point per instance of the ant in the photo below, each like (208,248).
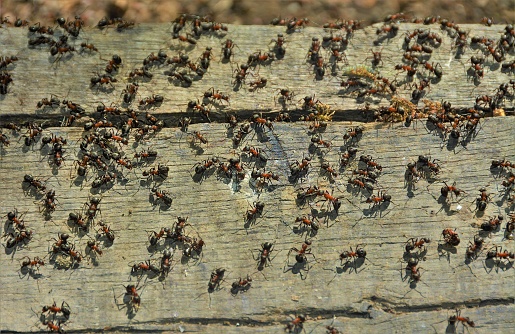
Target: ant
(411,71)
(129,93)
(12,218)
(104,79)
(308,222)
(36,262)
(493,224)
(358,253)
(200,137)
(124,25)
(353,133)
(264,255)
(49,202)
(34,130)
(482,200)
(4,139)
(37,28)
(89,46)
(131,290)
(53,327)
(451,237)
(92,207)
(201,108)
(194,245)
(165,261)
(258,84)
(255,153)
(14,239)
(161,171)
(255,211)
(510,227)
(78,220)
(259,57)
(210,94)
(317,140)
(53,102)
(377,58)
(206,57)
(347,156)
(413,243)
(293,24)
(261,122)
(497,253)
(304,250)
(140,72)
(389,29)
(153,100)
(335,201)
(241,285)
(202,167)
(264,176)
(435,69)
(105,179)
(64,309)
(415,274)
(106,230)
(162,195)
(145,266)
(92,245)
(328,169)
(147,155)
(38,184)
(477,66)
(215,279)
(227,47)
(241,74)
(446,189)
(464,320)
(474,248)
(296,324)
(279,48)
(188,38)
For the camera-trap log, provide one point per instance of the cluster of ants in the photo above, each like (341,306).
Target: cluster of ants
(53,317)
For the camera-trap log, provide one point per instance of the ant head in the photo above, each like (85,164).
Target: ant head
(267,245)
(11,215)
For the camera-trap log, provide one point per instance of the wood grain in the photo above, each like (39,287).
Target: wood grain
(373,298)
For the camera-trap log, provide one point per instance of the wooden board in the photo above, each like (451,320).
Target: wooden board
(370,299)
(70,77)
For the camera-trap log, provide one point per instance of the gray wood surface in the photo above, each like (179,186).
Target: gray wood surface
(374,299)
(70,77)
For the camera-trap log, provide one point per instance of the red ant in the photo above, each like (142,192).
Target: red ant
(92,207)
(308,192)
(415,274)
(317,140)
(264,255)
(36,262)
(328,169)
(446,189)
(482,200)
(15,239)
(451,237)
(210,94)
(258,84)
(264,176)
(389,29)
(78,220)
(510,227)
(153,100)
(131,290)
(64,309)
(474,248)
(93,246)
(279,48)
(49,202)
(166,261)
(259,121)
(308,221)
(227,47)
(129,93)
(215,279)
(302,252)
(493,224)
(410,70)
(497,253)
(145,266)
(162,195)
(200,137)
(335,201)
(241,285)
(188,38)
(147,155)
(161,171)
(294,24)
(12,217)
(37,28)
(255,211)
(416,243)
(194,245)
(256,153)
(353,133)
(38,184)
(477,66)
(358,253)
(347,156)
(106,230)
(464,320)
(296,324)
(53,327)
(258,57)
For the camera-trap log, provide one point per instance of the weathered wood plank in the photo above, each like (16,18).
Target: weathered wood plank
(70,78)
(216,207)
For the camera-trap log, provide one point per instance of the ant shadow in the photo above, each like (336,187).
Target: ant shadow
(201,177)
(199,150)
(490,264)
(298,268)
(377,209)
(445,250)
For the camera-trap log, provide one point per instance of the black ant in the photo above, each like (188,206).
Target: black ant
(37,184)
(483,200)
(256,210)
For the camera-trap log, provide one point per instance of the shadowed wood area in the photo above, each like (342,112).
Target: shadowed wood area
(241,206)
(366,296)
